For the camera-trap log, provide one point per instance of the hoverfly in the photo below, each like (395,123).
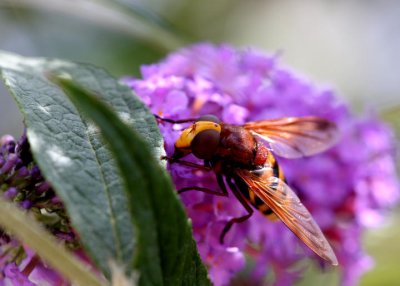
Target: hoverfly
(240,158)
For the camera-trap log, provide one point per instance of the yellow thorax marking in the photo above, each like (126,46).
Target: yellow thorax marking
(189,133)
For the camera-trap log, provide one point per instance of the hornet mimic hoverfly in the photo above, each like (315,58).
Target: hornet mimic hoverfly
(240,158)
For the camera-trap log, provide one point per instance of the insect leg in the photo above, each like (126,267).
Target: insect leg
(174,121)
(172,160)
(244,203)
(204,190)
(222,193)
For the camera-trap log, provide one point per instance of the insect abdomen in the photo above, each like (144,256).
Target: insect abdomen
(262,207)
(273,170)
(255,201)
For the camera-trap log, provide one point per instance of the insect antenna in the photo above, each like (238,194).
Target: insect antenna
(159,118)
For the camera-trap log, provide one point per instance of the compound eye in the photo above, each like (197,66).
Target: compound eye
(205,144)
(209,117)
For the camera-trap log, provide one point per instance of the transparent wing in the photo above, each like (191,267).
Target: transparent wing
(295,137)
(284,202)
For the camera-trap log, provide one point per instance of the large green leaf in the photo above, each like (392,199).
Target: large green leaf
(71,155)
(165,245)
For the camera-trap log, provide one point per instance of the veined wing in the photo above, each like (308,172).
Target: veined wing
(294,137)
(284,202)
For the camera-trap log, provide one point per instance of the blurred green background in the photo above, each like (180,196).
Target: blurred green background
(352,46)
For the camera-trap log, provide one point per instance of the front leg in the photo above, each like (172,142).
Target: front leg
(222,193)
(203,190)
(172,160)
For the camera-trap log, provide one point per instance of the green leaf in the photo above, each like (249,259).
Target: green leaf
(165,245)
(71,155)
(31,233)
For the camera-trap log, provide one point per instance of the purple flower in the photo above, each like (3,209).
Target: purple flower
(11,193)
(347,188)
(13,276)
(30,272)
